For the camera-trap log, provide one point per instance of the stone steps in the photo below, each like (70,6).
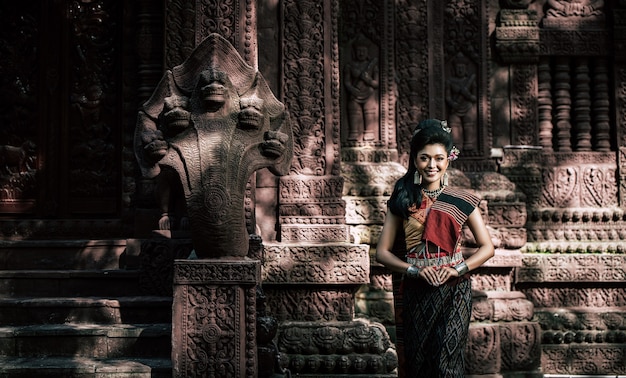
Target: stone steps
(76,310)
(63,254)
(81,308)
(86,340)
(63,367)
(69,283)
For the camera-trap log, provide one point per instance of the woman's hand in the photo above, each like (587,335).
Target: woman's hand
(438,276)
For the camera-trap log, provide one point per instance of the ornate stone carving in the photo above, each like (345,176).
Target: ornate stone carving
(232,125)
(517,36)
(412,62)
(361,80)
(461,100)
(356,347)
(483,349)
(367,25)
(579,359)
(329,264)
(521,346)
(208,339)
(572,268)
(462,41)
(92,125)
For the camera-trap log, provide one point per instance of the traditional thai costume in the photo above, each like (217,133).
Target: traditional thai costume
(433,321)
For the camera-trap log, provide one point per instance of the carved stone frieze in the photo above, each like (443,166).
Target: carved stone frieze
(355,347)
(180,37)
(621,161)
(572,268)
(412,61)
(501,306)
(574,42)
(315,303)
(366,179)
(520,344)
(314,233)
(576,296)
(365,210)
(311,209)
(483,353)
(493,279)
(503,258)
(517,36)
(306,62)
(580,359)
(329,264)
(581,324)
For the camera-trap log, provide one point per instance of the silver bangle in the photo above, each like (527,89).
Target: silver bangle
(413,271)
(461,268)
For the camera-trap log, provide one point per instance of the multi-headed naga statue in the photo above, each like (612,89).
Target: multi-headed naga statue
(211,122)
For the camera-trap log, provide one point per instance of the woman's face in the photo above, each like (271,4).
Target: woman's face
(432,162)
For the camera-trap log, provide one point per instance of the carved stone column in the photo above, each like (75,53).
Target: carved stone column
(214,318)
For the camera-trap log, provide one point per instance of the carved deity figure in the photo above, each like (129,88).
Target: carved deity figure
(361,82)
(574,8)
(461,100)
(211,122)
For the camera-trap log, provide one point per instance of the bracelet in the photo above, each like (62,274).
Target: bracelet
(461,268)
(413,271)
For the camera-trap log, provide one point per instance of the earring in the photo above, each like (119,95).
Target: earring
(444,179)
(417,178)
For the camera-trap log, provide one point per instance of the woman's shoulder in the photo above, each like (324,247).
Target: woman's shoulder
(463,194)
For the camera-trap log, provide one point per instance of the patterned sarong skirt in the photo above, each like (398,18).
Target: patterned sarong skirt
(432,327)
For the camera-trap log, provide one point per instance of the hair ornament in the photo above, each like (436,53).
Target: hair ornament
(444,126)
(454,154)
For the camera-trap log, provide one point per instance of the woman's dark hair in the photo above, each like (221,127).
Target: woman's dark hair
(406,192)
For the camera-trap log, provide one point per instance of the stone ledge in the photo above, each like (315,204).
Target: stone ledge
(85,367)
(591,268)
(587,360)
(328,264)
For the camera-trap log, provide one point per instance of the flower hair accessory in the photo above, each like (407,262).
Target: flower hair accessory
(454,154)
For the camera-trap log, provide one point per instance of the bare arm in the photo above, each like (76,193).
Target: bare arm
(393,224)
(483,240)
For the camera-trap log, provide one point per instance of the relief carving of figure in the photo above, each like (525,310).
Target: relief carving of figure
(574,8)
(17,159)
(461,100)
(361,82)
(211,122)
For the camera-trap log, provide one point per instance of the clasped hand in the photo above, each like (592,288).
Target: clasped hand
(436,276)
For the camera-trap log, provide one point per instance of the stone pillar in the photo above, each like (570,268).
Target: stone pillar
(214,318)
(310,279)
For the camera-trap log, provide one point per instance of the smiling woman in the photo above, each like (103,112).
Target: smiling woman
(432,293)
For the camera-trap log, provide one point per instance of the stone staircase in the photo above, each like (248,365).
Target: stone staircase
(77,309)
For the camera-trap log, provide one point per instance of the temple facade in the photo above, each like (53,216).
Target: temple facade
(93,238)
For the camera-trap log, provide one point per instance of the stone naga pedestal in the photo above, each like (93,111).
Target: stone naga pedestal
(211,122)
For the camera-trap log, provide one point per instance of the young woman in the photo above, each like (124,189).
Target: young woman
(421,240)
